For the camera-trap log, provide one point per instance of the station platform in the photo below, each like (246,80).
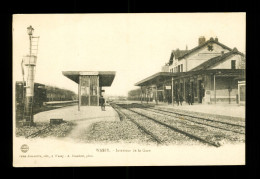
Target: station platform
(82,119)
(228,110)
(71,113)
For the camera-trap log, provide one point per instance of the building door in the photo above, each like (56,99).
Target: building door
(241,92)
(192,91)
(187,90)
(176,90)
(201,91)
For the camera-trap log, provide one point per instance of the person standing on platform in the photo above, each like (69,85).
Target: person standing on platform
(180,98)
(169,99)
(102,103)
(177,98)
(189,99)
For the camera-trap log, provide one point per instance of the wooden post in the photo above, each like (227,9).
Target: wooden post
(89,90)
(163,91)
(184,90)
(141,94)
(215,89)
(146,94)
(98,90)
(79,95)
(172,92)
(156,95)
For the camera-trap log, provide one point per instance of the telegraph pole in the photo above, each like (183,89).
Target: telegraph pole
(172,93)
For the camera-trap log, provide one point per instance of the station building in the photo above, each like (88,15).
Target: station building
(211,72)
(90,85)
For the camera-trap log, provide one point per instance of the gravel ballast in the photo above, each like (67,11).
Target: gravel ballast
(61,130)
(115,132)
(206,132)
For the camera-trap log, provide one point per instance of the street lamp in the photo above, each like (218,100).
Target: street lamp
(30,63)
(30,30)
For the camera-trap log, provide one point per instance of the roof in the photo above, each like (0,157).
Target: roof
(211,40)
(177,53)
(160,76)
(215,60)
(166,76)
(105,77)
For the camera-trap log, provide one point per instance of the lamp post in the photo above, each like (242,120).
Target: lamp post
(30,63)
(30,30)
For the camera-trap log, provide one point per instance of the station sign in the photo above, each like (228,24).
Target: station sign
(88,73)
(168,87)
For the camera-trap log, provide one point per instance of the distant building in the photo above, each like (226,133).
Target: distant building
(210,72)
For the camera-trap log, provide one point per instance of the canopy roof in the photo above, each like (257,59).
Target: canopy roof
(154,79)
(165,76)
(105,77)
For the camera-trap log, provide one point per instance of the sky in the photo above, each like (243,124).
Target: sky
(134,45)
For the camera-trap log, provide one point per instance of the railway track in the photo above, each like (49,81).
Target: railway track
(202,121)
(173,128)
(39,132)
(201,118)
(49,129)
(125,116)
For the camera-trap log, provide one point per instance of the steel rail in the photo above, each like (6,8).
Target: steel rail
(116,107)
(192,136)
(34,134)
(156,111)
(206,119)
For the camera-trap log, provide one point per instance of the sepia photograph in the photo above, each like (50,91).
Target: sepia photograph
(135,89)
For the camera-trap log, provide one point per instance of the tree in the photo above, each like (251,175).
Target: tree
(134,94)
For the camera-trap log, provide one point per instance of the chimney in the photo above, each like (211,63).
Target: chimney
(202,39)
(216,39)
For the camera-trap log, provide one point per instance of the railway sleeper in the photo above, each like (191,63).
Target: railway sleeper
(212,143)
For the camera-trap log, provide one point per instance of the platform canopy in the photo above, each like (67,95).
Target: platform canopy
(154,79)
(166,76)
(105,77)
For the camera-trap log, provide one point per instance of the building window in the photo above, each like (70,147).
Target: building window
(233,64)
(178,68)
(181,67)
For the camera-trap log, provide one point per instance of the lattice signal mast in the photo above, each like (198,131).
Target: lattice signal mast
(29,61)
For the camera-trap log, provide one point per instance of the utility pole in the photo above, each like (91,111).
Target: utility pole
(172,93)
(30,64)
